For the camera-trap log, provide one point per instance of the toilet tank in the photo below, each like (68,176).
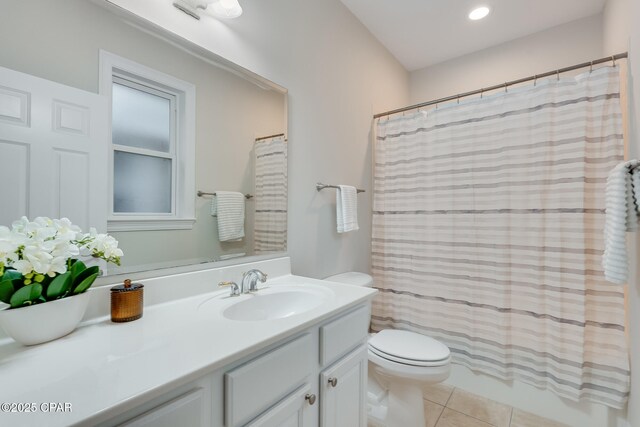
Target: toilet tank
(352,278)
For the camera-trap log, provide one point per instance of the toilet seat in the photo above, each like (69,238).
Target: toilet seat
(409,348)
(410,362)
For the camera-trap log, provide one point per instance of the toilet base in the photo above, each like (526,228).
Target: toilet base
(406,407)
(400,405)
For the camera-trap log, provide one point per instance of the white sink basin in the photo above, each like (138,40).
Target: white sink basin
(271,303)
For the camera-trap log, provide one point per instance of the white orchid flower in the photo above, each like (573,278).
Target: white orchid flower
(44,246)
(23,266)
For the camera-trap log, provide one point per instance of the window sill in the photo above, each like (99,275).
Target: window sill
(148,224)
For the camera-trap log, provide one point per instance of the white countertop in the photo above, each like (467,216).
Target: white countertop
(104,368)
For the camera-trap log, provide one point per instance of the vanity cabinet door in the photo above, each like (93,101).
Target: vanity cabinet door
(253,388)
(292,411)
(188,410)
(343,390)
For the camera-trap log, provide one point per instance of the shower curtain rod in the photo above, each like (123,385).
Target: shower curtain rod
(262,138)
(505,85)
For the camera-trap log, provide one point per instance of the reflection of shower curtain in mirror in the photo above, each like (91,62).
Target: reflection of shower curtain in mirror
(488,234)
(270,231)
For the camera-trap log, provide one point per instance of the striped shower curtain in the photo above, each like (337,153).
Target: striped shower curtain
(270,228)
(488,234)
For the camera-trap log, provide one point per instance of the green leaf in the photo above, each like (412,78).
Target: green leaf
(77,268)
(88,272)
(26,295)
(85,284)
(6,290)
(10,275)
(9,282)
(59,286)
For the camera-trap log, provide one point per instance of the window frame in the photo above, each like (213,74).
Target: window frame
(147,87)
(114,68)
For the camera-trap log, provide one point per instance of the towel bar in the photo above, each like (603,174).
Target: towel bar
(202,193)
(321,186)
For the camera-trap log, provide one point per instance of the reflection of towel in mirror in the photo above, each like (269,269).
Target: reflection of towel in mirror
(347,208)
(231,256)
(230,211)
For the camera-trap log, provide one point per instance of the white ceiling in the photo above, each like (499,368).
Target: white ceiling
(420,33)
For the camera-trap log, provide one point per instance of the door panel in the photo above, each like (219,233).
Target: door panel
(343,389)
(54,151)
(290,412)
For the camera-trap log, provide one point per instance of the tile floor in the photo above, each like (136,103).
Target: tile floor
(446,406)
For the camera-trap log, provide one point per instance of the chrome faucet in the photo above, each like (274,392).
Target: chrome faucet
(250,279)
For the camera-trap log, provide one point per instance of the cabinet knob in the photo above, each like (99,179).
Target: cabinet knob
(333,382)
(311,398)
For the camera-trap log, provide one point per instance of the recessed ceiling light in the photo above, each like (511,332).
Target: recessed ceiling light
(479,13)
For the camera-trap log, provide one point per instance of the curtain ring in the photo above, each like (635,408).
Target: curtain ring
(436,105)
(613,58)
(558,75)
(506,86)
(591,68)
(535,80)
(458,100)
(481,93)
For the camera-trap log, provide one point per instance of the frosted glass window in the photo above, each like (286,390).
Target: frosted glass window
(141,184)
(141,119)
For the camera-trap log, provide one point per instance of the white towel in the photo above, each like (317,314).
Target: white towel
(622,216)
(347,208)
(635,183)
(230,211)
(214,206)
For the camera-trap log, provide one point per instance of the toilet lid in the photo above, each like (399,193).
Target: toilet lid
(409,346)
(352,278)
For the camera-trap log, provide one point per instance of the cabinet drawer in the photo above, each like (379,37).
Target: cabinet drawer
(344,334)
(255,386)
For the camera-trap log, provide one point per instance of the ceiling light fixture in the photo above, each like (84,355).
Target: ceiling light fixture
(225,9)
(479,13)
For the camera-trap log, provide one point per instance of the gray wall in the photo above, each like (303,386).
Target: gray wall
(561,46)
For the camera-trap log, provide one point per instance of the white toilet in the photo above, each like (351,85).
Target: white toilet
(400,363)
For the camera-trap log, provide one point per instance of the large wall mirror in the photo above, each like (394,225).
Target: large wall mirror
(238,132)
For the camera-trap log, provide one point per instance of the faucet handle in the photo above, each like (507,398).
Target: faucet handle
(235,290)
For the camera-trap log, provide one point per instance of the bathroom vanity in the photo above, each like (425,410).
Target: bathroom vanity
(292,354)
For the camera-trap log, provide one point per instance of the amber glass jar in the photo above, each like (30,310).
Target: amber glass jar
(126,302)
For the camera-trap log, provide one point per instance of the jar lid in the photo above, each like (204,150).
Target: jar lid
(127,286)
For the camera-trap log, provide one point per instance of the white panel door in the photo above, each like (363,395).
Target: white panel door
(53,151)
(343,389)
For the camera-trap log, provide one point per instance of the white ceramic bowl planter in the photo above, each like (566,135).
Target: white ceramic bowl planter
(44,322)
(43,278)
